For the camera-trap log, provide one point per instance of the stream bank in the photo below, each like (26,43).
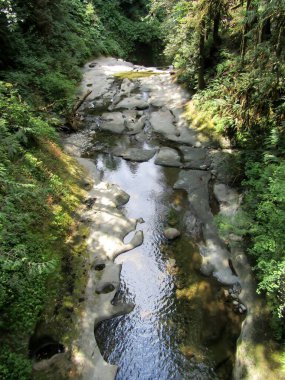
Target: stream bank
(180,303)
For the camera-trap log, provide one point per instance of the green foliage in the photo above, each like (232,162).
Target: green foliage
(14,365)
(237,49)
(36,202)
(265,204)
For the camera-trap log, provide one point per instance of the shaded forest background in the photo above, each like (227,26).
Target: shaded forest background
(229,54)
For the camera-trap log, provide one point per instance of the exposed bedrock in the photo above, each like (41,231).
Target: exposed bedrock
(213,250)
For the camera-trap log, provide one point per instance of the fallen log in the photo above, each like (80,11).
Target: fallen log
(73,119)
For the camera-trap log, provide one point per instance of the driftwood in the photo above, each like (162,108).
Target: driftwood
(73,119)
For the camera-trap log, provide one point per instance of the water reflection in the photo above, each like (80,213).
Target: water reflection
(149,342)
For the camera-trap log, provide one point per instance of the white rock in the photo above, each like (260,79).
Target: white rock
(171,233)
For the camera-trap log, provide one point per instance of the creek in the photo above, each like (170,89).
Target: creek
(183,322)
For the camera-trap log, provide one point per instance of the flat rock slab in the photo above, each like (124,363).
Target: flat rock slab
(162,122)
(135,102)
(195,158)
(168,157)
(134,154)
(113,122)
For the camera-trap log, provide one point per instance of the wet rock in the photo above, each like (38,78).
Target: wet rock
(121,198)
(168,157)
(171,233)
(194,226)
(105,288)
(134,154)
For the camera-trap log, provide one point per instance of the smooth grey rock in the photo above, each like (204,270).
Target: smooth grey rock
(134,154)
(168,157)
(113,122)
(132,103)
(162,122)
(171,233)
(195,158)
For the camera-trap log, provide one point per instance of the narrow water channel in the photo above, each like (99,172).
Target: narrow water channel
(182,325)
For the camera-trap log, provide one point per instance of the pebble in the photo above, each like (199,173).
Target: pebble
(243,308)
(171,233)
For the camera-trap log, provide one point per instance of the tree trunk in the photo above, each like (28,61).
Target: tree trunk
(265,30)
(201,68)
(216,36)
(245,31)
(281,38)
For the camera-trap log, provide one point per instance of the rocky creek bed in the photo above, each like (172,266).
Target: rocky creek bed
(167,297)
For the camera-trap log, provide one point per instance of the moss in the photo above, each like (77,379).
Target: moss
(202,123)
(135,74)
